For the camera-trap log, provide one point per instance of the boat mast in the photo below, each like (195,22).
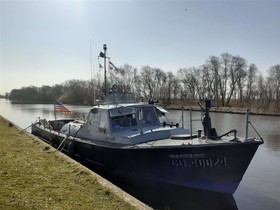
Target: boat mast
(103,55)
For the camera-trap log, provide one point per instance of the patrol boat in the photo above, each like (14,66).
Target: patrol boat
(125,140)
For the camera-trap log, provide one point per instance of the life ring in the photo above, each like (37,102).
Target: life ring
(71,149)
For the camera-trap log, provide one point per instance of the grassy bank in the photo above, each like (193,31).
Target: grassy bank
(35,176)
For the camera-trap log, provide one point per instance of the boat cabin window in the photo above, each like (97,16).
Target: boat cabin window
(123,121)
(94,117)
(103,119)
(122,117)
(98,118)
(147,116)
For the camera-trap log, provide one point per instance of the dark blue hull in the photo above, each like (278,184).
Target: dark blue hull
(216,167)
(213,168)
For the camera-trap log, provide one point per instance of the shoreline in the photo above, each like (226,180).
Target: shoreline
(226,110)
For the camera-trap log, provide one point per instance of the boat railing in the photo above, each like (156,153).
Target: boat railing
(191,122)
(248,122)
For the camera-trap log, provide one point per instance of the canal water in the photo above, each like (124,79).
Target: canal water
(259,188)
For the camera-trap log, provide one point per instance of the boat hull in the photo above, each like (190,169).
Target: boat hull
(216,167)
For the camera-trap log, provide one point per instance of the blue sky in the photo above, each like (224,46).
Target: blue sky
(48,42)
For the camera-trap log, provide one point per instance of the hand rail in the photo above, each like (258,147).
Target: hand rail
(247,126)
(191,121)
(256,131)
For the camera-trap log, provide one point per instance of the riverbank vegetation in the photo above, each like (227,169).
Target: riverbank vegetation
(34,175)
(229,80)
(7,96)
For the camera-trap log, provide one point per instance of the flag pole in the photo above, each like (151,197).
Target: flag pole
(105,77)
(54,108)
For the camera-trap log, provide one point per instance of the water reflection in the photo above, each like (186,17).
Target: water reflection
(168,197)
(160,197)
(34,109)
(25,114)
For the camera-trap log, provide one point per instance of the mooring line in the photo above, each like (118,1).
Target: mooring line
(25,128)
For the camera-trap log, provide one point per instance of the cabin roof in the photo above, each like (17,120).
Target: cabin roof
(112,106)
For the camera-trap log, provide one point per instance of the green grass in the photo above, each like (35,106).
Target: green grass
(35,176)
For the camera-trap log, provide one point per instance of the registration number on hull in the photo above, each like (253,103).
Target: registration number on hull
(196,160)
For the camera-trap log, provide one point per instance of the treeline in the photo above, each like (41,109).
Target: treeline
(227,79)
(77,92)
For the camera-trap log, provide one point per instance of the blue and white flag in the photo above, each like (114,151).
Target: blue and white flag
(114,71)
(113,68)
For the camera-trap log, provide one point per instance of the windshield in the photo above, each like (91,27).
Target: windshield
(147,116)
(123,117)
(121,111)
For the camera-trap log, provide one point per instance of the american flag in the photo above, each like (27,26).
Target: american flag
(59,107)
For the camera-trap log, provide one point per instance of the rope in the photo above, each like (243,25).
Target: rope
(25,128)
(62,143)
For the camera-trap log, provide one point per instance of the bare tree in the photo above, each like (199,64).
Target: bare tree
(261,91)
(225,63)
(161,80)
(207,81)
(274,77)
(76,91)
(215,65)
(147,78)
(242,73)
(274,86)
(237,74)
(126,78)
(190,82)
(251,80)
(171,87)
